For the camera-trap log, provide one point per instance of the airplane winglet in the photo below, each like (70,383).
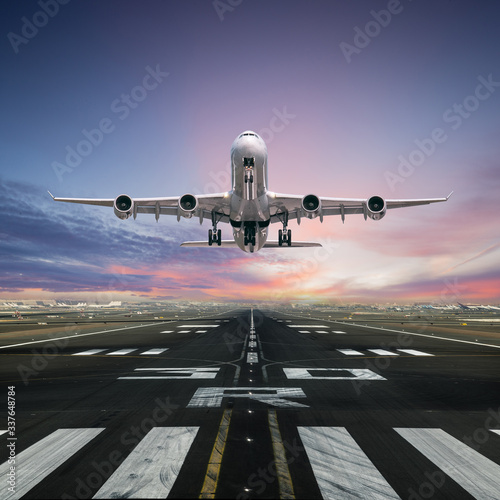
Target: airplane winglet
(448,197)
(51,195)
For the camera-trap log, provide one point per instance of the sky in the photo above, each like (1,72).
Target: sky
(395,98)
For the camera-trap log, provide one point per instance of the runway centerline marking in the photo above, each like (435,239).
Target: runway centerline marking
(212,475)
(153,465)
(472,471)
(280,461)
(59,446)
(341,468)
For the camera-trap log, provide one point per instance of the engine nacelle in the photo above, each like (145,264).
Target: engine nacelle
(123,206)
(375,207)
(311,205)
(187,205)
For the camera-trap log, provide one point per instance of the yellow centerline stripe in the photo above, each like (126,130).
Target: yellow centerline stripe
(213,469)
(282,471)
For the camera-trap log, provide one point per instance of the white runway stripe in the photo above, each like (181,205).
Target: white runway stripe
(252,357)
(471,470)
(197,326)
(154,351)
(89,353)
(39,460)
(152,467)
(338,331)
(341,468)
(413,352)
(120,352)
(307,326)
(2,432)
(350,352)
(167,331)
(383,352)
(496,431)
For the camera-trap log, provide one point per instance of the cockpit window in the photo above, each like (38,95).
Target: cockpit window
(247,133)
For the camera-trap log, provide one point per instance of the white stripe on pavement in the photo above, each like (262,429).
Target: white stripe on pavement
(153,465)
(120,352)
(414,352)
(350,352)
(45,456)
(89,353)
(472,471)
(341,468)
(154,351)
(383,352)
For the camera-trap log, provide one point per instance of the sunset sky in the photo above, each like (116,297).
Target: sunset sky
(399,99)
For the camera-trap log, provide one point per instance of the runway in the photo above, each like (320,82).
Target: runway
(254,403)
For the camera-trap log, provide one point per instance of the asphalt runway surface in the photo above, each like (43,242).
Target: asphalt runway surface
(252,404)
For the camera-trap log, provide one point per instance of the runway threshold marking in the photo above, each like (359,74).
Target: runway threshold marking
(341,468)
(59,446)
(472,471)
(414,352)
(213,470)
(153,352)
(283,473)
(153,465)
(356,374)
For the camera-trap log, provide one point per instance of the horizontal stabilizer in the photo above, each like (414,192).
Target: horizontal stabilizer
(232,244)
(295,244)
(224,243)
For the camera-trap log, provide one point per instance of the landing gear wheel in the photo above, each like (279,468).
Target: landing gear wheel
(219,237)
(253,240)
(289,238)
(280,238)
(210,237)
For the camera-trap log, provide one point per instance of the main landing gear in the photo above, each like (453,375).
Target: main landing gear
(214,235)
(250,230)
(284,235)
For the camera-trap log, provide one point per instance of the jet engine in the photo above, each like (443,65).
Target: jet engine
(187,205)
(375,207)
(124,206)
(311,205)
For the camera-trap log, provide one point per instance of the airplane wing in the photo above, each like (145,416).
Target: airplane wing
(202,206)
(310,206)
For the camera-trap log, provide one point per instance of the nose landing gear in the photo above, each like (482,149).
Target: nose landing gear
(250,230)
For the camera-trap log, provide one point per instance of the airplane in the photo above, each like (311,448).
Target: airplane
(249,207)
(477,307)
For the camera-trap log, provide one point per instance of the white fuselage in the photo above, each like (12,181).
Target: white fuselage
(249,209)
